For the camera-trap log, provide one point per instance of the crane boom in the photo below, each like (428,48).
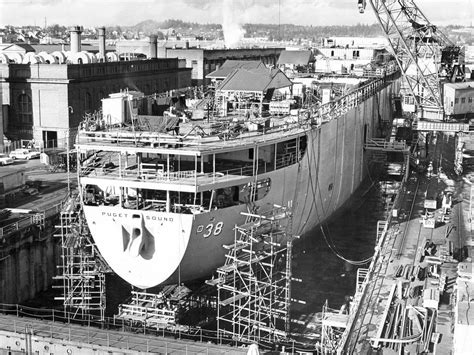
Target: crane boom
(426,57)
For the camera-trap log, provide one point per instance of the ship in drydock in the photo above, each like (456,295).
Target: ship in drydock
(161,194)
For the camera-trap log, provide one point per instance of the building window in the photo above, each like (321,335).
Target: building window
(456,100)
(194,71)
(25,109)
(409,100)
(469,99)
(463,100)
(87,102)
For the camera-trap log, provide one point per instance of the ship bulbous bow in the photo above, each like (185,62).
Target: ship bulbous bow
(144,248)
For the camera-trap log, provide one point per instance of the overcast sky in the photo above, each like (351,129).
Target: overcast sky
(130,12)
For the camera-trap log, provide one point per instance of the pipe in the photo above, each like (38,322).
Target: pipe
(75,33)
(153,47)
(102,43)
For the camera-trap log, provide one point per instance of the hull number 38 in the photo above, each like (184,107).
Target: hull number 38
(210,229)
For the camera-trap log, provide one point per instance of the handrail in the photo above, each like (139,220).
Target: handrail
(59,323)
(314,114)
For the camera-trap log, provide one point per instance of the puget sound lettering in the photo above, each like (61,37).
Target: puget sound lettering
(127,215)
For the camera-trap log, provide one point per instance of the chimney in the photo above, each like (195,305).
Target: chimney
(102,43)
(76,38)
(153,48)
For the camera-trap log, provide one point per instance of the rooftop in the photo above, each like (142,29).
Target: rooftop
(461,86)
(230,65)
(255,80)
(296,57)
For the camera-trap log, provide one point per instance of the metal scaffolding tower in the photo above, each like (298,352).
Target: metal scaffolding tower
(254,284)
(82,270)
(333,324)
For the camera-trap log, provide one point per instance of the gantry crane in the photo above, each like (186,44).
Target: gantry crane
(426,57)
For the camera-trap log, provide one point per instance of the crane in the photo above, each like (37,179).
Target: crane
(426,57)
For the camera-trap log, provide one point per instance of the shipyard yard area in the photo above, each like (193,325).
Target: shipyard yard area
(236,188)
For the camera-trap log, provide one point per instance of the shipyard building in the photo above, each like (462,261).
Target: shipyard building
(46,95)
(202,61)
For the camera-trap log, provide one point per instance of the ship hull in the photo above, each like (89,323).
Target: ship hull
(191,245)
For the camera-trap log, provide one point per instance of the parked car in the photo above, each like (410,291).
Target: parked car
(24,154)
(5,160)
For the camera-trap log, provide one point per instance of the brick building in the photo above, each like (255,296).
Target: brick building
(44,97)
(45,101)
(202,61)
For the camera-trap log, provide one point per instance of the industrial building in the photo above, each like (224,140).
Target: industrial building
(458,99)
(296,61)
(202,61)
(46,95)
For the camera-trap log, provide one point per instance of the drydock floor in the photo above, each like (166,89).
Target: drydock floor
(404,245)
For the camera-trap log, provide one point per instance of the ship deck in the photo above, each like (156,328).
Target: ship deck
(196,137)
(225,134)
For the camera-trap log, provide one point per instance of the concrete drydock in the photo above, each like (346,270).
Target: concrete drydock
(28,251)
(408,298)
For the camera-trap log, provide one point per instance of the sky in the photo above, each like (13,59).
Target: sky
(129,12)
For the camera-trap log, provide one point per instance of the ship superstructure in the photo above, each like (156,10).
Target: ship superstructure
(162,194)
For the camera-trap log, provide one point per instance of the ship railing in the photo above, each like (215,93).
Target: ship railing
(150,204)
(187,208)
(219,134)
(287,159)
(216,128)
(334,109)
(133,173)
(382,144)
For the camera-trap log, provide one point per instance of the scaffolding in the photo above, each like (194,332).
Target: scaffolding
(82,269)
(333,325)
(149,310)
(253,285)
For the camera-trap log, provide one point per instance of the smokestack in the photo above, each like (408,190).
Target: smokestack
(76,38)
(153,48)
(102,43)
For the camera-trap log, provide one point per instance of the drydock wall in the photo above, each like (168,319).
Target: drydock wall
(28,260)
